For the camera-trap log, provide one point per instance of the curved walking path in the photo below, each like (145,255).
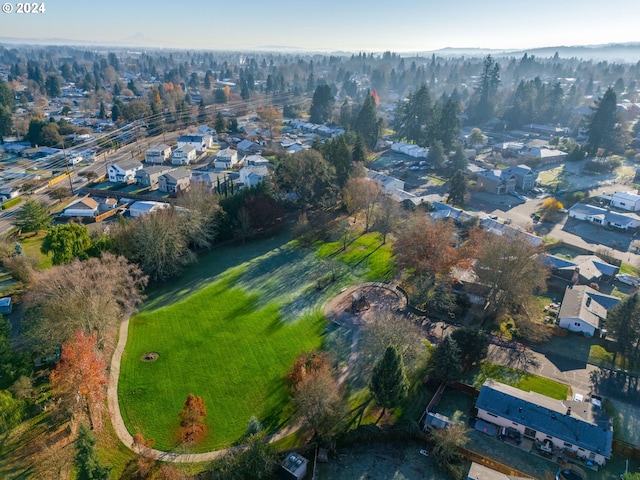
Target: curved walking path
(127,439)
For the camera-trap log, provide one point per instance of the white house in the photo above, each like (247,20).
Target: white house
(124,171)
(139,209)
(85,207)
(183,155)
(250,176)
(626,201)
(226,159)
(199,142)
(388,184)
(255,160)
(604,217)
(583,309)
(579,427)
(410,149)
(158,154)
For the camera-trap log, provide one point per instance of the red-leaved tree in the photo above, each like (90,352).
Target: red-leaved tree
(192,419)
(80,378)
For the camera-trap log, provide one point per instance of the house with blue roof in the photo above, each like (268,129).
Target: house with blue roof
(578,427)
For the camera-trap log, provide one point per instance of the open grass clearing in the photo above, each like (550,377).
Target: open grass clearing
(31,246)
(519,379)
(229,331)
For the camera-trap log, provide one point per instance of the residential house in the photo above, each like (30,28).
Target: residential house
(106,204)
(589,268)
(158,154)
(142,208)
(497,181)
(183,155)
(226,159)
(124,171)
(256,160)
(148,176)
(247,147)
(410,149)
(207,130)
(294,466)
(626,201)
(389,184)
(545,155)
(85,207)
(507,149)
(583,309)
(604,217)
(499,228)
(251,176)
(175,181)
(525,177)
(546,129)
(578,427)
(444,211)
(199,142)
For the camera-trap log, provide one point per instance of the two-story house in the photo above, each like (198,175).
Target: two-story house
(199,142)
(251,175)
(226,159)
(525,176)
(148,176)
(497,181)
(158,154)
(124,171)
(175,181)
(183,155)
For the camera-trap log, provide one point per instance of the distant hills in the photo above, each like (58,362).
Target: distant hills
(613,52)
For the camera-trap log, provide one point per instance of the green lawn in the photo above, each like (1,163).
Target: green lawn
(219,345)
(230,329)
(365,255)
(31,246)
(522,380)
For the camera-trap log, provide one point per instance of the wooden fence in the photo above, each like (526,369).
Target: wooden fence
(626,449)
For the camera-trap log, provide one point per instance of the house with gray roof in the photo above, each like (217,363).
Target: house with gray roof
(525,177)
(148,176)
(604,217)
(583,309)
(175,181)
(123,171)
(590,268)
(158,154)
(579,427)
(499,228)
(497,181)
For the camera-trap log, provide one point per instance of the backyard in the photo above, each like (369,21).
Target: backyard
(229,331)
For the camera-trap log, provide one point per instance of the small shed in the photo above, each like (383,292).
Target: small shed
(5,305)
(294,466)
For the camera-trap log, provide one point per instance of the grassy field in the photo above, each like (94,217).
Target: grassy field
(230,329)
(519,379)
(31,246)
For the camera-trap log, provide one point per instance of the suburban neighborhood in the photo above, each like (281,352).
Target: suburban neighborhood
(304,265)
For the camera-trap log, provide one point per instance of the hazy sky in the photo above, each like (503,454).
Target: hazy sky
(350,25)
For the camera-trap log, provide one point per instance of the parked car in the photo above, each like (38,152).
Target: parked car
(511,434)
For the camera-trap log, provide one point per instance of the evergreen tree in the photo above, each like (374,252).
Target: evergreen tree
(6,122)
(389,384)
(459,159)
(367,124)
(6,95)
(457,189)
(202,112)
(604,129)
(445,362)
(86,460)
(436,155)
(413,117)
(66,242)
(32,216)
(52,86)
(487,89)
(220,124)
(321,104)
(359,153)
(337,153)
(623,321)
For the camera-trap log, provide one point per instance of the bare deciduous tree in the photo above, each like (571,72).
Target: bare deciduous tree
(91,296)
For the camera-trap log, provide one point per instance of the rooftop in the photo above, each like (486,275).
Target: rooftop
(549,416)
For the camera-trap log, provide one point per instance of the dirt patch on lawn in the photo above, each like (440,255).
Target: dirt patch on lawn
(369,297)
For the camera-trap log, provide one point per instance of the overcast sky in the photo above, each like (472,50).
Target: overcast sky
(348,25)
